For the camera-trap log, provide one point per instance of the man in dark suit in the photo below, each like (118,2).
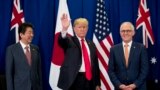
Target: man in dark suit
(75,72)
(128,63)
(23,62)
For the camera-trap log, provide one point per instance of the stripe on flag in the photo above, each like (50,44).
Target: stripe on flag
(103,40)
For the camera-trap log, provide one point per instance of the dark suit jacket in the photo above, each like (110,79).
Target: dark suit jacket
(73,61)
(19,75)
(137,69)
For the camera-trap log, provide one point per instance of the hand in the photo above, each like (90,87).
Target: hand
(124,87)
(132,86)
(127,87)
(98,88)
(65,22)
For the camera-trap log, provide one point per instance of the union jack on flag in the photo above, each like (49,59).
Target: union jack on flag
(103,40)
(144,21)
(17,17)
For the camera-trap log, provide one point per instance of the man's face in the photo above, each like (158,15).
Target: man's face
(27,36)
(126,33)
(81,30)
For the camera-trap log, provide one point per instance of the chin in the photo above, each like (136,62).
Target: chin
(30,41)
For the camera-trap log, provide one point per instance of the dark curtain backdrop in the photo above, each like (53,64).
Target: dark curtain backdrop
(42,14)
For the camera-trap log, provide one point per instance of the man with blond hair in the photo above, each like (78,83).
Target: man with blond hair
(80,70)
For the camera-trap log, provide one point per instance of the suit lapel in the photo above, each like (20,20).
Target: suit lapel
(76,41)
(77,44)
(121,52)
(32,50)
(131,54)
(22,54)
(91,51)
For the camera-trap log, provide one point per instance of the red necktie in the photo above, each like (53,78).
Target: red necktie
(86,61)
(28,55)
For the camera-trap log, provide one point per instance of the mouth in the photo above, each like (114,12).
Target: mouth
(30,39)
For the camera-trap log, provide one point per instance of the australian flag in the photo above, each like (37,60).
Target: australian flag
(16,20)
(146,34)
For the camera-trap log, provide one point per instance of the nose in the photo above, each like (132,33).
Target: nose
(83,28)
(125,32)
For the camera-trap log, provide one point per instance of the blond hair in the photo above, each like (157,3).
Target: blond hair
(80,20)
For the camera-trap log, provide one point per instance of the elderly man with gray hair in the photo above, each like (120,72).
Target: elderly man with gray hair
(128,62)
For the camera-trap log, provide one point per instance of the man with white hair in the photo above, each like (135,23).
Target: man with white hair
(128,63)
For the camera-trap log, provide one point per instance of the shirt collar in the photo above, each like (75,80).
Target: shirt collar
(23,45)
(129,44)
(80,38)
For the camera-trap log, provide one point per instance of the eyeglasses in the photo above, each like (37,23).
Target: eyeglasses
(127,31)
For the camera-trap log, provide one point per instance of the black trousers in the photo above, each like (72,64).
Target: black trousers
(3,85)
(81,83)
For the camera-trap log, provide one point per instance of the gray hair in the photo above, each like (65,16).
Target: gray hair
(132,27)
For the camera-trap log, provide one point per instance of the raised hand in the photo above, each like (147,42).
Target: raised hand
(65,22)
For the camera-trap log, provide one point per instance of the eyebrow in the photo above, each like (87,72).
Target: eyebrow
(126,30)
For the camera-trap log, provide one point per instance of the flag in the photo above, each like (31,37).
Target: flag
(144,21)
(58,54)
(17,17)
(103,40)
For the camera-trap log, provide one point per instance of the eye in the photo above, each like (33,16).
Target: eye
(127,31)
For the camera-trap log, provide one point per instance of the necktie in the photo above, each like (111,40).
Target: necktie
(28,55)
(126,53)
(87,63)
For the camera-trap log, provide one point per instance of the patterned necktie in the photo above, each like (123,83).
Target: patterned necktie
(28,55)
(126,53)
(86,61)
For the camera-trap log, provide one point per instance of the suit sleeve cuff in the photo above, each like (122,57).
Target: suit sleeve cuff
(63,34)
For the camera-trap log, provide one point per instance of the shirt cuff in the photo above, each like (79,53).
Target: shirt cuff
(63,33)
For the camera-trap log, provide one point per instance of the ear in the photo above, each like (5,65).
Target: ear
(21,35)
(133,33)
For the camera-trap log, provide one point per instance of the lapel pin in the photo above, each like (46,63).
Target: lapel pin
(33,49)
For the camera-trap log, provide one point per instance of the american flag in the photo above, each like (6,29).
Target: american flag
(102,37)
(144,21)
(17,17)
